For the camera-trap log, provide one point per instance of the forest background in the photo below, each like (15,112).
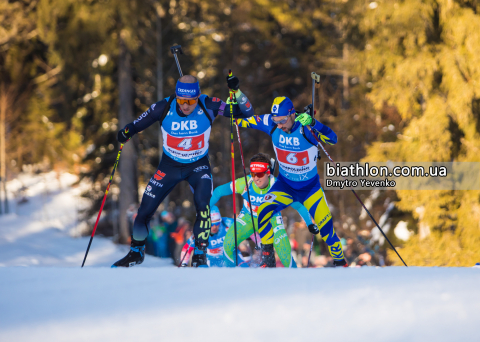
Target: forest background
(400,81)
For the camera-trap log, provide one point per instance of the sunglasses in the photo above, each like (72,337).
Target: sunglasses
(190,102)
(257,174)
(280,121)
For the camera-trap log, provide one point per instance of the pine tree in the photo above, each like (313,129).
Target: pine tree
(422,58)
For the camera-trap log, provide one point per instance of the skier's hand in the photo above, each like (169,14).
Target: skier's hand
(124,134)
(232,81)
(313,229)
(309,110)
(233,102)
(304,118)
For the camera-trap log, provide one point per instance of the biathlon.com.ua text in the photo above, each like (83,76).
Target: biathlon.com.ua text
(402,175)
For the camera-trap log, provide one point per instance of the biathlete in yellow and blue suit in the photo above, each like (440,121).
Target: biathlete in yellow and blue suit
(298,181)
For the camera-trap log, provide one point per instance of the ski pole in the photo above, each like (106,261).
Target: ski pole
(246,182)
(315,79)
(186,252)
(177,49)
(232,153)
(310,253)
(104,198)
(358,198)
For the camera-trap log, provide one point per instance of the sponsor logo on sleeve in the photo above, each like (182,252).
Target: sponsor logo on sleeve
(159,175)
(149,194)
(154,182)
(149,188)
(279,220)
(141,117)
(215,99)
(269,198)
(265,119)
(205,176)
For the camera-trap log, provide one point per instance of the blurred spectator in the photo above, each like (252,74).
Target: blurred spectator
(162,243)
(306,253)
(329,262)
(153,244)
(320,261)
(178,237)
(294,245)
(171,224)
(363,259)
(131,214)
(278,262)
(302,237)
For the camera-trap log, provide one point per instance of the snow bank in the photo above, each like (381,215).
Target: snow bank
(169,304)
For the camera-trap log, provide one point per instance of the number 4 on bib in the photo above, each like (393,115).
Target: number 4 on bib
(186,144)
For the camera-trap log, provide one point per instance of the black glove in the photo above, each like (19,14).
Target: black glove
(312,228)
(124,134)
(309,111)
(233,82)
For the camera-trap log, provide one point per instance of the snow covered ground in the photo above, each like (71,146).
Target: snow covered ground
(44,230)
(64,302)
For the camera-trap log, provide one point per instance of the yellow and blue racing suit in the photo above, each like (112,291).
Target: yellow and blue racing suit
(298,179)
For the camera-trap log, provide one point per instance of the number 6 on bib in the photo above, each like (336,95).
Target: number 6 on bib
(291,158)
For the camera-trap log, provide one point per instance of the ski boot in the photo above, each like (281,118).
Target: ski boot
(134,257)
(199,258)
(268,256)
(340,263)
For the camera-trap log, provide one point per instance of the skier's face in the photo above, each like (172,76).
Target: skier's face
(285,123)
(187,105)
(262,181)
(215,228)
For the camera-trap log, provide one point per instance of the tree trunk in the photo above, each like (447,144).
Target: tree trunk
(345,73)
(160,95)
(128,160)
(3,169)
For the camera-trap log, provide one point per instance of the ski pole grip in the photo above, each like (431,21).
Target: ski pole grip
(176,49)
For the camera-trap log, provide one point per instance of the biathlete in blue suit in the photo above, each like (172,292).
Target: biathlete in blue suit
(298,181)
(220,227)
(185,120)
